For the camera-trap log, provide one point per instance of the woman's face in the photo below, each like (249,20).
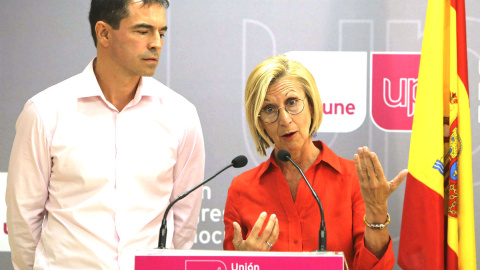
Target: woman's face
(289,132)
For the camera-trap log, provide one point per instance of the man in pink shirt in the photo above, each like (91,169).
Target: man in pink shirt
(97,157)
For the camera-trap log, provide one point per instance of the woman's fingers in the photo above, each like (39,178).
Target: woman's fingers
(373,183)
(255,241)
(358,166)
(366,158)
(258,224)
(272,239)
(361,164)
(377,167)
(267,238)
(398,180)
(237,235)
(368,166)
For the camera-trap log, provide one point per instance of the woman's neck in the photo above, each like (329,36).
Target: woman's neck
(304,158)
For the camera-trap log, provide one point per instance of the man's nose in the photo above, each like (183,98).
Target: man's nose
(156,42)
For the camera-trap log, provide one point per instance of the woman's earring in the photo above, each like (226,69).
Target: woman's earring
(314,134)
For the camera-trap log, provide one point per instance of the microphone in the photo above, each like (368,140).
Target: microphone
(284,155)
(237,162)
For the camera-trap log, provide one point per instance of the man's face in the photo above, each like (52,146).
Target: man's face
(135,47)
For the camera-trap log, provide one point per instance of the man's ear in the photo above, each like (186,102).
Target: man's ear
(103,30)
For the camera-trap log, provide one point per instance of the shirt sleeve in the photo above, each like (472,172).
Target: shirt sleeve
(188,172)
(364,259)
(230,215)
(27,182)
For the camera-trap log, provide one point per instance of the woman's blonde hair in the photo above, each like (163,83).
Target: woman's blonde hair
(265,74)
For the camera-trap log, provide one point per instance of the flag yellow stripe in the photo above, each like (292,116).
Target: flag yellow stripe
(466,223)
(425,150)
(452,227)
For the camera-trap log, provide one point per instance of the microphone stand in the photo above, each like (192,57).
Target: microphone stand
(322,234)
(237,162)
(163,229)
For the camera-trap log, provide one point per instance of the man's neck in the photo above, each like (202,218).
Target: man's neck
(119,90)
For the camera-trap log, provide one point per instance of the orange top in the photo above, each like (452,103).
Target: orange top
(335,181)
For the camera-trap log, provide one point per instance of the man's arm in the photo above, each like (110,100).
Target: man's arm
(27,182)
(188,172)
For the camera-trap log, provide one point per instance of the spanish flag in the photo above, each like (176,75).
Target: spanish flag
(437,223)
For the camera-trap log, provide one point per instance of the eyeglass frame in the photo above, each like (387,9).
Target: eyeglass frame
(284,107)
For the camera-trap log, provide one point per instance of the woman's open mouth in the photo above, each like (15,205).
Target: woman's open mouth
(289,136)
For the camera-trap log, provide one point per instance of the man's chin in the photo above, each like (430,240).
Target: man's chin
(148,73)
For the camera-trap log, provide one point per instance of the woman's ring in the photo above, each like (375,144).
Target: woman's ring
(269,245)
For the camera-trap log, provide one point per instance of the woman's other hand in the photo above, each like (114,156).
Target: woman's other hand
(375,191)
(374,186)
(254,241)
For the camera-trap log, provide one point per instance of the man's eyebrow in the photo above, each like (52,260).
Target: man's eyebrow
(143,25)
(148,26)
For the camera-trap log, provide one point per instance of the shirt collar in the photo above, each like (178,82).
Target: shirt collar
(91,87)
(326,155)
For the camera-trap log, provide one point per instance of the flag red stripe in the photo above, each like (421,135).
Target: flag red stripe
(423,222)
(462,65)
(452,258)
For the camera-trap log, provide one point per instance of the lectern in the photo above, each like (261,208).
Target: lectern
(152,259)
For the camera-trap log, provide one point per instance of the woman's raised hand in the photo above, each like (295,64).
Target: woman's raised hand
(373,184)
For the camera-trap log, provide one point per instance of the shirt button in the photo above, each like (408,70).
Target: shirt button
(295,241)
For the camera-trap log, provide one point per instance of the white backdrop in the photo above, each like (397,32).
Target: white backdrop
(211,47)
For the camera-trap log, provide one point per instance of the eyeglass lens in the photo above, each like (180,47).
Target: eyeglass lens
(270,114)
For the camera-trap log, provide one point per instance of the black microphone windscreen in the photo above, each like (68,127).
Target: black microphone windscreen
(283,155)
(239,161)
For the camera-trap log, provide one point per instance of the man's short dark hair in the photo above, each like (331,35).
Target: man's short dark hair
(113,11)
